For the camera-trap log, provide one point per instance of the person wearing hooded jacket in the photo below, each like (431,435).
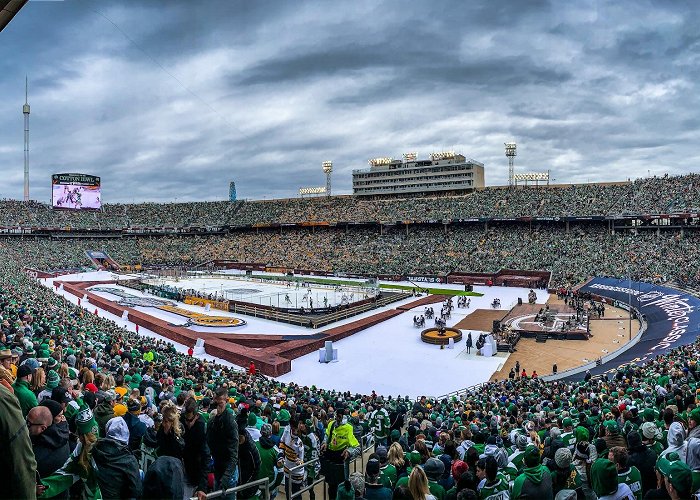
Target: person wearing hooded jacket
(676,441)
(51,448)
(693,461)
(535,482)
(222,438)
(248,457)
(196,455)
(270,464)
(694,423)
(644,459)
(605,484)
(117,469)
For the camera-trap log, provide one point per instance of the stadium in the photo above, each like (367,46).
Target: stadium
(427,337)
(570,282)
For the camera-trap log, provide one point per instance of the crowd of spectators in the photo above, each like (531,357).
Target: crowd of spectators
(652,195)
(585,250)
(85,406)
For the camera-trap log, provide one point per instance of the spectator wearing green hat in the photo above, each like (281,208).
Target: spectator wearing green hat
(52,380)
(679,480)
(79,466)
(612,436)
(23,393)
(694,423)
(535,481)
(605,483)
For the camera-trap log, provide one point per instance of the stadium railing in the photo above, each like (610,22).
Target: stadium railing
(263,486)
(367,438)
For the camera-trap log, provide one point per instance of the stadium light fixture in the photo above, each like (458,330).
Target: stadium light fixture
(511,152)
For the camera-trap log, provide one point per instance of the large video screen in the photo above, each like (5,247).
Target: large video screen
(75,191)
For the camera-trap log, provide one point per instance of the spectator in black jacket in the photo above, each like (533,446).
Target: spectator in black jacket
(644,459)
(196,452)
(164,480)
(222,438)
(169,435)
(49,439)
(117,469)
(248,457)
(136,428)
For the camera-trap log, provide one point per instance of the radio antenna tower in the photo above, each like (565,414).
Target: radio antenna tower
(25,110)
(510,154)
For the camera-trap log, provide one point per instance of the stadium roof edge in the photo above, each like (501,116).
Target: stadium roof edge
(8,10)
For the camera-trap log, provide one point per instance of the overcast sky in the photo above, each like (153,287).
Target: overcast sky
(170,100)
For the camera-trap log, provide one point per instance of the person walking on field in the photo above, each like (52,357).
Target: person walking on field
(470,343)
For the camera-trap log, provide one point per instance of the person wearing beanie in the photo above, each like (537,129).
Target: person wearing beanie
(644,459)
(248,457)
(605,484)
(23,392)
(137,428)
(612,435)
(495,482)
(387,473)
(104,411)
(414,460)
(568,436)
(270,461)
(357,480)
(535,481)
(196,457)
(345,491)
(679,480)
(222,438)
(694,423)
(79,466)
(52,380)
(564,474)
(651,437)
(518,454)
(627,474)
(252,426)
(553,442)
(434,469)
(374,489)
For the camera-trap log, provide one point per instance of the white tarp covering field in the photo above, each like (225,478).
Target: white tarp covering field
(389,357)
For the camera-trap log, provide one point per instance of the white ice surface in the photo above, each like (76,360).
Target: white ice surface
(389,357)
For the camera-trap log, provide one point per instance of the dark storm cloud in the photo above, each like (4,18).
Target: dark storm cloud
(180,97)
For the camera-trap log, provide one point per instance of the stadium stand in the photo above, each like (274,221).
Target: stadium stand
(99,402)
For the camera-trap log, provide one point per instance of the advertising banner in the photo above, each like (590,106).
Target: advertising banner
(672,317)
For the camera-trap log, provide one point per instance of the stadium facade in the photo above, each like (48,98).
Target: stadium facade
(444,173)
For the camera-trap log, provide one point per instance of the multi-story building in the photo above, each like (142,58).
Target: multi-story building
(444,173)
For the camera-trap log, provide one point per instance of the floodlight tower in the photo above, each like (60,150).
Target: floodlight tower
(510,154)
(328,169)
(25,110)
